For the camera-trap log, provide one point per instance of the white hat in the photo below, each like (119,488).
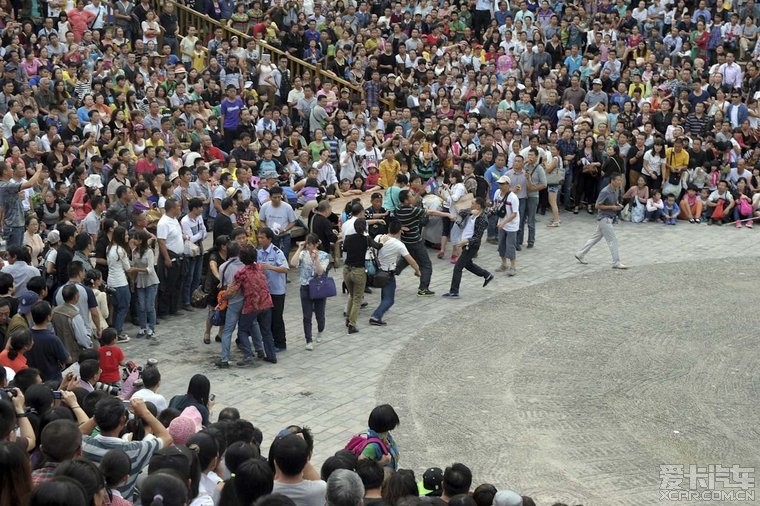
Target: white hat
(93,181)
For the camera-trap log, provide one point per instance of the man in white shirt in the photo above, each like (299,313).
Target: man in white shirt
(507,209)
(151,379)
(326,172)
(194,228)
(387,256)
(171,246)
(731,72)
(290,455)
(280,218)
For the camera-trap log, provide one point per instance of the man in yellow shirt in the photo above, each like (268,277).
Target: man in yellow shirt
(676,161)
(389,169)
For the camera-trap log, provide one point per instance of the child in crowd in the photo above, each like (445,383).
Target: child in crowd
(115,468)
(704,194)
(671,210)
(655,206)
(373,177)
(309,192)
(111,357)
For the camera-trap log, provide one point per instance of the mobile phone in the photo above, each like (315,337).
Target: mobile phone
(212,397)
(57,394)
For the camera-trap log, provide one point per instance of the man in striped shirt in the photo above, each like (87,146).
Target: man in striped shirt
(411,214)
(111,416)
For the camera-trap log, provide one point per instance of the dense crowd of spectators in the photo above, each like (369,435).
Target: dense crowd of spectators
(130,145)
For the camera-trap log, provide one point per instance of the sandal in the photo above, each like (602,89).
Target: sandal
(440,255)
(553,224)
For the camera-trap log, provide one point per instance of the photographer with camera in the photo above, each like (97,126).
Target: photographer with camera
(12,416)
(506,207)
(111,416)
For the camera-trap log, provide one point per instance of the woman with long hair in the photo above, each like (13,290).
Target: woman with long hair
(15,474)
(143,262)
(119,267)
(13,357)
(217,256)
(198,393)
(33,240)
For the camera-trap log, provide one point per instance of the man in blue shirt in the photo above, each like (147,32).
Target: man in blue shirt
(275,266)
(230,110)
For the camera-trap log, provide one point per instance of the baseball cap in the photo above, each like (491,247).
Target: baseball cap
(432,482)
(26,300)
(504,179)
(53,237)
(596,81)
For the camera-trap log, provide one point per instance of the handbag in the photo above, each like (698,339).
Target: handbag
(199,298)
(719,213)
(745,208)
(370,261)
(218,317)
(381,279)
(191,249)
(322,287)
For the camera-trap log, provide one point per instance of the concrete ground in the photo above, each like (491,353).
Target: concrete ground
(566,382)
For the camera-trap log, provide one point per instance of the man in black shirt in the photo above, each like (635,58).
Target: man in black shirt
(322,227)
(470,243)
(65,252)
(223,223)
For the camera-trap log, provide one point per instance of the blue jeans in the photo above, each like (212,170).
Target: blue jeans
(387,298)
(146,307)
(233,314)
(14,236)
(259,327)
(523,220)
(283,242)
(531,208)
(191,274)
(121,307)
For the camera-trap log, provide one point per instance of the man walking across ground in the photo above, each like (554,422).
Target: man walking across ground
(607,206)
(507,211)
(472,234)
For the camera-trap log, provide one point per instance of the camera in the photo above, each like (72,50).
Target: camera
(10,392)
(108,290)
(105,387)
(131,366)
(57,394)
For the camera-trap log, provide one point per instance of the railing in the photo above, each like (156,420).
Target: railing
(206,27)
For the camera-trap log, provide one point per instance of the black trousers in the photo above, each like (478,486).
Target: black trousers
(170,287)
(465,262)
(278,325)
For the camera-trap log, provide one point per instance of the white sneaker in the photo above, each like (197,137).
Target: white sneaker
(309,346)
(619,266)
(319,337)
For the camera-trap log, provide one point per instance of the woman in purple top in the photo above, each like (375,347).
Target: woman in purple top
(231,107)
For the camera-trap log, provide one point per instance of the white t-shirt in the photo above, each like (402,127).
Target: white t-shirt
(170,230)
(513,206)
(277,218)
(388,255)
(148,395)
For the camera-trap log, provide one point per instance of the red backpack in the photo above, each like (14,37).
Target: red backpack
(359,442)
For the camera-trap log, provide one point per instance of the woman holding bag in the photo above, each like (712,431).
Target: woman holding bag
(354,274)
(311,262)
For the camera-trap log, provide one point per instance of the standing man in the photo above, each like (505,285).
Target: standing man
(507,212)
(280,218)
(171,246)
(535,177)
(607,206)
(520,184)
(194,228)
(12,203)
(230,110)
(275,266)
(387,257)
(470,244)
(227,273)
(482,18)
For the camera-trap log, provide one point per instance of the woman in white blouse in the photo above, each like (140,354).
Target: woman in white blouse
(118,269)
(654,162)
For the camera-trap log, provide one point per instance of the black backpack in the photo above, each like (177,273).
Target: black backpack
(481,190)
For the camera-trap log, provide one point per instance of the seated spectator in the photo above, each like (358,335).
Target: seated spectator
(60,441)
(691,206)
(289,456)
(151,378)
(198,391)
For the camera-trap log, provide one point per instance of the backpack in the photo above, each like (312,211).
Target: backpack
(481,190)
(359,442)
